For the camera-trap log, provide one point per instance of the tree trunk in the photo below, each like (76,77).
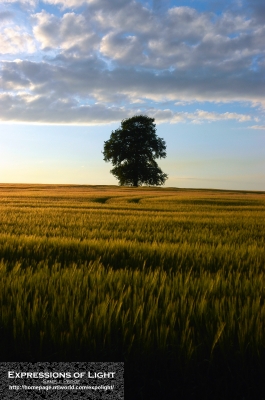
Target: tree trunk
(135,175)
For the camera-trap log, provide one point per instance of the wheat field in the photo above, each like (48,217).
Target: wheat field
(171,281)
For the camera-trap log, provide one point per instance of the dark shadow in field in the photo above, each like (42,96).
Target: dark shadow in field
(101,200)
(135,200)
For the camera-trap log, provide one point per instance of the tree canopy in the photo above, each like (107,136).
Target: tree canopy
(132,149)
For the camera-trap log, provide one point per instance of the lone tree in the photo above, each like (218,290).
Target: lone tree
(132,149)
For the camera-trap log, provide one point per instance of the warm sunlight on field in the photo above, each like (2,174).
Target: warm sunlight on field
(155,277)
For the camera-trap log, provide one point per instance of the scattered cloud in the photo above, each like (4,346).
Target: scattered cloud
(68,3)
(53,110)
(16,40)
(71,31)
(96,56)
(23,2)
(261,127)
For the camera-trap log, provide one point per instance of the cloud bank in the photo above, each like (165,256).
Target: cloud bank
(97,61)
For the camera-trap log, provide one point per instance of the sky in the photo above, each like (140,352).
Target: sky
(72,70)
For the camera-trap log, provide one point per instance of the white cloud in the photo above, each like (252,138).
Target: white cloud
(72,30)
(67,3)
(23,2)
(121,53)
(198,116)
(16,40)
(127,48)
(259,127)
(56,110)
(213,116)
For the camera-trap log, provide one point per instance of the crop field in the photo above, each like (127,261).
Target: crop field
(170,281)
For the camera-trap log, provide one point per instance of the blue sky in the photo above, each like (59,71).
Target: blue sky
(70,71)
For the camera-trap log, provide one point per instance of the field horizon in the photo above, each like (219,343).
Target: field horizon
(73,185)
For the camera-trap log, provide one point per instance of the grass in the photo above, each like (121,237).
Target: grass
(170,281)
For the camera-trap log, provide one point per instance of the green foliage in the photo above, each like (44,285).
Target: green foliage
(132,149)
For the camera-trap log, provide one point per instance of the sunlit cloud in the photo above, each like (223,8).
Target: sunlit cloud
(259,127)
(119,57)
(68,111)
(70,31)
(16,40)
